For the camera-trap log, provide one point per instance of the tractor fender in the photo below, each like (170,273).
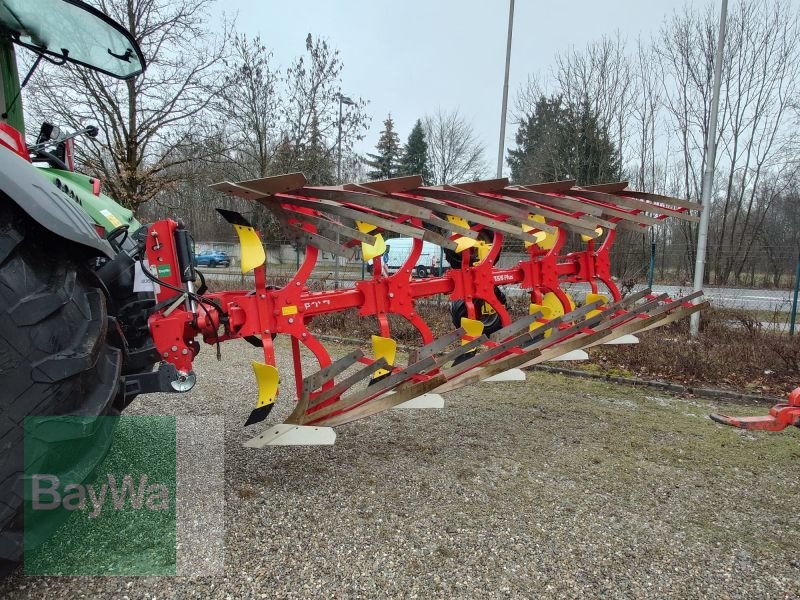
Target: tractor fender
(45,204)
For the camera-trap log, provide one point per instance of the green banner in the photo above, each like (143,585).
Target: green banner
(89,514)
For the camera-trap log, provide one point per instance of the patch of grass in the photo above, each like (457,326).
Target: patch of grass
(618,372)
(662,455)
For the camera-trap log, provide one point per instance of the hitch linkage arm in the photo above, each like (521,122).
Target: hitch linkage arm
(780,416)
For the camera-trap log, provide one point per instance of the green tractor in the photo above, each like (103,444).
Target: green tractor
(74,338)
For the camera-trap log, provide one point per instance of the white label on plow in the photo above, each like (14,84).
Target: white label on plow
(624,339)
(140,281)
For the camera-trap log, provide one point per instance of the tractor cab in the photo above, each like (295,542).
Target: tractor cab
(60,32)
(71,31)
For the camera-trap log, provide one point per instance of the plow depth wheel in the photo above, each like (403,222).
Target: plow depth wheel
(454,258)
(483,312)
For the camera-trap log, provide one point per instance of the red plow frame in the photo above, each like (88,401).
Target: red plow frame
(470,222)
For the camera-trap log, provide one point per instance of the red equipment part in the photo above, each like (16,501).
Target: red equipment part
(780,416)
(174,327)
(13,140)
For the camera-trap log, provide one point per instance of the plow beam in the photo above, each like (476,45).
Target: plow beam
(373,399)
(516,352)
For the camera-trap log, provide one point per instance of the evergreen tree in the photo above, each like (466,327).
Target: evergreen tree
(283,161)
(316,161)
(563,142)
(595,158)
(541,153)
(385,163)
(415,155)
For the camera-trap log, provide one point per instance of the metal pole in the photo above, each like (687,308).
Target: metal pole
(338,180)
(339,145)
(708,175)
(794,299)
(441,273)
(348,102)
(652,270)
(504,110)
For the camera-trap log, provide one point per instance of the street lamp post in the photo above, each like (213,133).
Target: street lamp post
(348,102)
(504,109)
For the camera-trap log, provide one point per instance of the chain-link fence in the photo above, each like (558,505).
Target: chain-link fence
(769,307)
(283,261)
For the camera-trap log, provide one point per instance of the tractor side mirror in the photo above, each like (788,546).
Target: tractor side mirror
(48,132)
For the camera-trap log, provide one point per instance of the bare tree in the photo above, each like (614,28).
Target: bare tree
(528,95)
(146,123)
(685,47)
(599,75)
(760,88)
(310,113)
(655,98)
(454,152)
(780,236)
(288,121)
(645,109)
(250,104)
(757,123)
(191,198)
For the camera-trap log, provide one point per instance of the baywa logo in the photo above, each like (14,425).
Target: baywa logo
(100,496)
(47,494)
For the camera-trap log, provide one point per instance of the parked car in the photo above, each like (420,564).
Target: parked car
(212,258)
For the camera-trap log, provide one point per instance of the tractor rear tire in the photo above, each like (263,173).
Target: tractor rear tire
(54,355)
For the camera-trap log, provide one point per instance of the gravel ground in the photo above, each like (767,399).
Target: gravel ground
(555,487)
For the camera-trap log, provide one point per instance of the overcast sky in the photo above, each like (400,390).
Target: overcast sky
(408,57)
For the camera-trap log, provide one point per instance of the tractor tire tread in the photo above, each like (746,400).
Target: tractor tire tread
(54,356)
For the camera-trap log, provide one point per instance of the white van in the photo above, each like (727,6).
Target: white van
(399,249)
